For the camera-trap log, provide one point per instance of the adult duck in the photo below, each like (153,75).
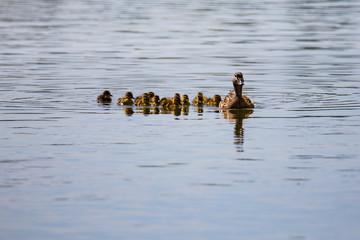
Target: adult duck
(235,99)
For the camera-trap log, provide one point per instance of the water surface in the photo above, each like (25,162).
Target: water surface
(71,168)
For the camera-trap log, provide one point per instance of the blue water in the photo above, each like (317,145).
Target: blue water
(71,168)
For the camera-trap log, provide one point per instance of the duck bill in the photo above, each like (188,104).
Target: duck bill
(241,81)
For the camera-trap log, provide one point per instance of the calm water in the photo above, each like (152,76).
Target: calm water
(71,168)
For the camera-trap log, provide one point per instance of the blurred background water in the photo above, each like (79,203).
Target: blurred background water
(71,168)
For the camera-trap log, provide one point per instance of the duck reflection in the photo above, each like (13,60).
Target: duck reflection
(236,116)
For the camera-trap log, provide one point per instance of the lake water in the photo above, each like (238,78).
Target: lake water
(71,168)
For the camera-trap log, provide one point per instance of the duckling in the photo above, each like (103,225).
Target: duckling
(151,95)
(167,103)
(185,101)
(198,100)
(206,100)
(138,99)
(155,101)
(235,99)
(175,103)
(127,100)
(105,97)
(145,101)
(163,101)
(214,101)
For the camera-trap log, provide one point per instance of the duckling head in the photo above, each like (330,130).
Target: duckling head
(177,101)
(129,95)
(200,98)
(177,95)
(107,94)
(145,99)
(163,101)
(185,99)
(217,98)
(156,99)
(151,94)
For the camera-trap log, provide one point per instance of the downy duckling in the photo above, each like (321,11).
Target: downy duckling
(155,101)
(198,100)
(163,101)
(214,102)
(127,100)
(145,101)
(138,99)
(185,101)
(235,99)
(175,103)
(105,97)
(151,95)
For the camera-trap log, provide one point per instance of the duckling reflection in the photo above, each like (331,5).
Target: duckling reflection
(129,111)
(155,110)
(146,111)
(236,116)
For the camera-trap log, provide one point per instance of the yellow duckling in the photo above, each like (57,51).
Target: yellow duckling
(163,101)
(105,97)
(167,103)
(155,101)
(151,95)
(145,101)
(138,99)
(198,100)
(215,101)
(175,103)
(185,101)
(127,100)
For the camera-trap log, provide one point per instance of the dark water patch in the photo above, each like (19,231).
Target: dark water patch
(298,179)
(151,166)
(302,168)
(214,185)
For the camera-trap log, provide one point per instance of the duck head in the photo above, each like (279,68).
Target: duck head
(238,79)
